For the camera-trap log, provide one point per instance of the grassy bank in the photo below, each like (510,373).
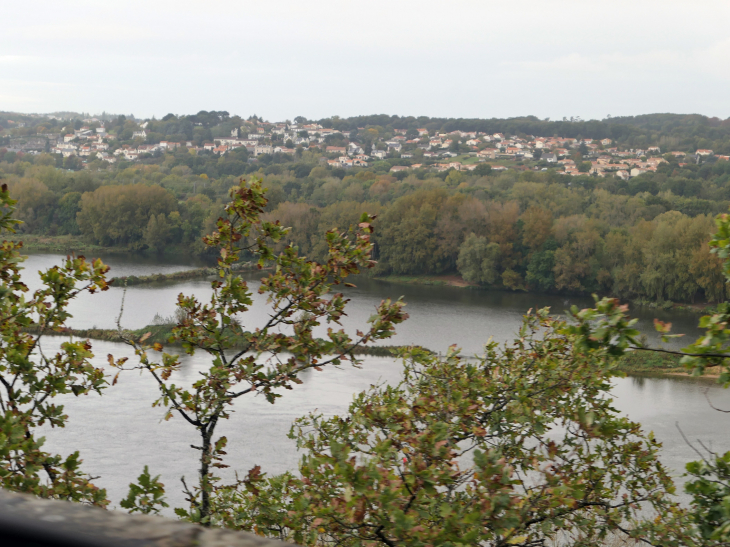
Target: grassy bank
(162,333)
(60,244)
(667,305)
(434,280)
(635,363)
(647,362)
(198,273)
(67,244)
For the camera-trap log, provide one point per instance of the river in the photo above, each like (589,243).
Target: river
(119,433)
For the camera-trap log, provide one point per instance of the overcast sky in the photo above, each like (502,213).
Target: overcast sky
(281,59)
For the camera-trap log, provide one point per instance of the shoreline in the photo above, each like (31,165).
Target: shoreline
(197,273)
(635,363)
(67,244)
(75,244)
(454,280)
(161,334)
(61,244)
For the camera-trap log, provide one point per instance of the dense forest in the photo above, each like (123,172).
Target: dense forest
(516,229)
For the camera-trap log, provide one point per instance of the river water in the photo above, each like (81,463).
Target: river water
(119,433)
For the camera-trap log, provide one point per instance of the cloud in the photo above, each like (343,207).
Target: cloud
(644,65)
(322,57)
(17,59)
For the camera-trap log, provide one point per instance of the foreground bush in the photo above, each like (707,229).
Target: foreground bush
(519,447)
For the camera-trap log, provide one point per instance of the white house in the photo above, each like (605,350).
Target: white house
(354,149)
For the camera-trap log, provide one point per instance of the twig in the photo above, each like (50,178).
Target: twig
(690,444)
(713,407)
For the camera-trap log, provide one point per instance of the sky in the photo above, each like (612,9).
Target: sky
(280,59)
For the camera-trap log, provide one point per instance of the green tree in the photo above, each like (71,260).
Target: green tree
(540,270)
(482,170)
(157,233)
(454,178)
(30,380)
(35,204)
(455,144)
(584,166)
(146,496)
(261,359)
(479,260)
(519,447)
(68,207)
(407,239)
(120,214)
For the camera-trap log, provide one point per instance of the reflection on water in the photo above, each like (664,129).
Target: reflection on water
(119,433)
(122,264)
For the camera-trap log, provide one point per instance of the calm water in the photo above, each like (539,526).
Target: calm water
(119,433)
(439,316)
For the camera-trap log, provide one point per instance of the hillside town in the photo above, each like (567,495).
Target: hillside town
(419,149)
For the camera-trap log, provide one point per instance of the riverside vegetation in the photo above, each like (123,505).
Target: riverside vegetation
(520,447)
(644,239)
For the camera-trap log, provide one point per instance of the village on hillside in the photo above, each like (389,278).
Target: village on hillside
(457,150)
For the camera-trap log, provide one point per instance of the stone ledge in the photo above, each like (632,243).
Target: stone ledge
(26,520)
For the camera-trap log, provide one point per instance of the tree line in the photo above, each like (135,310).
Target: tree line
(645,238)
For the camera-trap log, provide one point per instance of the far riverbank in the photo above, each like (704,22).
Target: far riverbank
(453,280)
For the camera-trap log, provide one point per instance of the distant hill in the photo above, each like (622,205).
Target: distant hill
(618,128)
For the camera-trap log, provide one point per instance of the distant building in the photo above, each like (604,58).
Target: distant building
(263,149)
